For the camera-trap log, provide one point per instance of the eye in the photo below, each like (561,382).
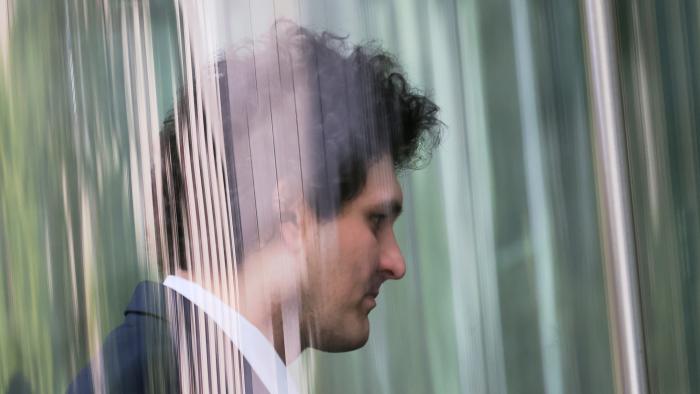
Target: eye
(376,221)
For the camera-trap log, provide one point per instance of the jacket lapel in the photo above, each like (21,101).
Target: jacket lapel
(205,356)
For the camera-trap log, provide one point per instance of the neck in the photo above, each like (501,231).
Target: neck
(264,290)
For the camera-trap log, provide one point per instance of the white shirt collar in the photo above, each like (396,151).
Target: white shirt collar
(259,352)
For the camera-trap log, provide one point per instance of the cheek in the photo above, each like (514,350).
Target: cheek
(324,262)
(358,255)
(345,256)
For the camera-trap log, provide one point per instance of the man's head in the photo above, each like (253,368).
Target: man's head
(349,257)
(315,132)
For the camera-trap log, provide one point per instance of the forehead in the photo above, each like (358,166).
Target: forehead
(382,185)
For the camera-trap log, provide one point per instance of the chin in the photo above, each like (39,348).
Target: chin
(350,338)
(345,346)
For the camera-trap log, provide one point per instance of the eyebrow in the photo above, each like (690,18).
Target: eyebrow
(391,207)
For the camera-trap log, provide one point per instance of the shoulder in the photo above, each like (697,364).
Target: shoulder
(138,356)
(162,330)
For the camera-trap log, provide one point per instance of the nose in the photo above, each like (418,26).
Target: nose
(391,261)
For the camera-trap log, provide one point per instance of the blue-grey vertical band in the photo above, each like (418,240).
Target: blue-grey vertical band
(612,186)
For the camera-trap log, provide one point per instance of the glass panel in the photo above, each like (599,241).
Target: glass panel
(661,87)
(503,291)
(506,258)
(69,244)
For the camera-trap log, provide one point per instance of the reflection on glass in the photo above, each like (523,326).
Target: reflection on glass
(503,288)
(660,86)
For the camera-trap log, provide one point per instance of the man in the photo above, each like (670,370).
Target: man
(281,240)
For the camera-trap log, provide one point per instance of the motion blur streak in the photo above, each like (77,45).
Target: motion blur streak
(506,233)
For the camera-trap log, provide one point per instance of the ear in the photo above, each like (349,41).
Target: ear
(290,229)
(291,206)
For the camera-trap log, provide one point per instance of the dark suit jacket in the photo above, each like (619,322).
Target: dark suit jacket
(161,347)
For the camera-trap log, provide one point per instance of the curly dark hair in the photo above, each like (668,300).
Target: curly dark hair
(340,107)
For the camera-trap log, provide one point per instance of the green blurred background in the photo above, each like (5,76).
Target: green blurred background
(505,289)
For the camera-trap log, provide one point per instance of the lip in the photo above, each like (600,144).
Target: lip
(370,299)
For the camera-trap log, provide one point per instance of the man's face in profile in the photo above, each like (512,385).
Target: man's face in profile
(313,134)
(349,257)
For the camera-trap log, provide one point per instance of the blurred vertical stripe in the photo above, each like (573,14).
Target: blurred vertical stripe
(505,290)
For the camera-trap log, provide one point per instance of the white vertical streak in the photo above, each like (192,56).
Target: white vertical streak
(217,166)
(193,255)
(458,204)
(480,175)
(151,134)
(537,201)
(647,124)
(136,195)
(5,29)
(90,275)
(614,201)
(71,246)
(194,164)
(143,125)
